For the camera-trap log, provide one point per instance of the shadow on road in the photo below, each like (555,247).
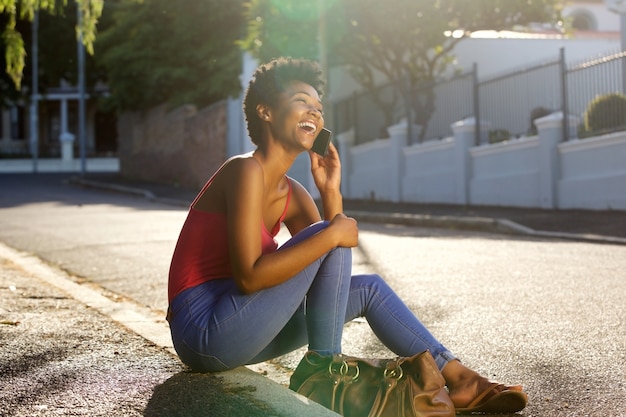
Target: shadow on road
(195,394)
(23,189)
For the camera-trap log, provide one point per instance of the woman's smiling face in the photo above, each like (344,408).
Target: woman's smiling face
(298,116)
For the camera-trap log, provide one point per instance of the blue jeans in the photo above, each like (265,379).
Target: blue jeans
(215,327)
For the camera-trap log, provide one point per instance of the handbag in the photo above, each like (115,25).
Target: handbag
(358,387)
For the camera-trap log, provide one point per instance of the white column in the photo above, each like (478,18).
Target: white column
(398,138)
(345,141)
(550,130)
(66,139)
(463,140)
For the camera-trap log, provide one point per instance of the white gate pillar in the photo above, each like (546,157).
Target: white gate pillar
(550,130)
(464,139)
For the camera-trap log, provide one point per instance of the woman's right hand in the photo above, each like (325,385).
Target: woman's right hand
(346,230)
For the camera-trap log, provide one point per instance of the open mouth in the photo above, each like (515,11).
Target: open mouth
(308,126)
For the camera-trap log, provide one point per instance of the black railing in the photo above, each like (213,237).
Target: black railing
(509,103)
(591,80)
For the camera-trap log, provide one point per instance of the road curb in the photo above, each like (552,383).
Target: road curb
(112,187)
(485,224)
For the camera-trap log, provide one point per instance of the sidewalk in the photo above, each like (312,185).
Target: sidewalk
(584,225)
(46,165)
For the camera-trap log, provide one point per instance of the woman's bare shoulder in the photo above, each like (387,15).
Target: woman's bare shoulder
(239,165)
(234,176)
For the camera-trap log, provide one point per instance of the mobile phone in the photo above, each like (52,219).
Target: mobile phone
(320,145)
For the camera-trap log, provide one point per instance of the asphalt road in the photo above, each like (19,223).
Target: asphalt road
(544,313)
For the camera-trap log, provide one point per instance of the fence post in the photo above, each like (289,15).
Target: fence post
(476,94)
(397,138)
(564,98)
(550,130)
(354,116)
(464,138)
(345,141)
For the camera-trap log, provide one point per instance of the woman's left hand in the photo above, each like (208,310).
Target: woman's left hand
(326,170)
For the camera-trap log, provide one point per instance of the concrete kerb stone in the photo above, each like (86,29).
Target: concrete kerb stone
(112,187)
(580,237)
(444,222)
(485,224)
(149,195)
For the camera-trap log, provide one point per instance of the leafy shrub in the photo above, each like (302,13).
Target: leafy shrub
(606,113)
(537,113)
(582,131)
(499,135)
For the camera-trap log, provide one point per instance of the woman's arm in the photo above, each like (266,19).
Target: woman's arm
(253,271)
(326,173)
(302,210)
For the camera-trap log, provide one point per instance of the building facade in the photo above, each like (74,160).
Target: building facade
(58,122)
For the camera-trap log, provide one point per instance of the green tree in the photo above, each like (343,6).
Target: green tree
(15,10)
(57,54)
(171,51)
(409,42)
(282,28)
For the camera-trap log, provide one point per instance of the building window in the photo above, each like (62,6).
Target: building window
(17,123)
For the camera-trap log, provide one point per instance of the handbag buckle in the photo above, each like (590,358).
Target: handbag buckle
(344,370)
(396,373)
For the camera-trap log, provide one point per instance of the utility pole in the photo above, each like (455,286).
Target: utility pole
(81,93)
(322,38)
(34,100)
(622,17)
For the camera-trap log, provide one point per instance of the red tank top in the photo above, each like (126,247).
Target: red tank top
(201,253)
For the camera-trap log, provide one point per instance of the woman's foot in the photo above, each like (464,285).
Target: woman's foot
(470,392)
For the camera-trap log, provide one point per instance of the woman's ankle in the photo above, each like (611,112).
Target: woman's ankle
(456,374)
(463,383)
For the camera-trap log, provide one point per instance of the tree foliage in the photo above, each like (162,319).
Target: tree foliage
(282,28)
(15,10)
(58,55)
(171,51)
(409,42)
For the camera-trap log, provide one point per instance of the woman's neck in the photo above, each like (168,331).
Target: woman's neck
(275,164)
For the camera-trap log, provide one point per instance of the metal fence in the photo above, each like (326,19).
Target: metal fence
(509,103)
(365,113)
(454,101)
(588,81)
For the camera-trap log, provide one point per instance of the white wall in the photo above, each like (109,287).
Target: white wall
(506,174)
(238,141)
(430,173)
(593,173)
(369,178)
(537,171)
